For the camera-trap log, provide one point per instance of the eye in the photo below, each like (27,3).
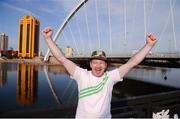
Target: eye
(94,62)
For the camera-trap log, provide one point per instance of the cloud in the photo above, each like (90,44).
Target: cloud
(25,11)
(47,9)
(57,7)
(67,5)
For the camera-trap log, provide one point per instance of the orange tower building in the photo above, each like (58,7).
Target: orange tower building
(28,37)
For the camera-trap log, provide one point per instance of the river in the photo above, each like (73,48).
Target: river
(37,87)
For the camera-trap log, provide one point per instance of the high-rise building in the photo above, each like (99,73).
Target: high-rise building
(69,52)
(28,37)
(3,42)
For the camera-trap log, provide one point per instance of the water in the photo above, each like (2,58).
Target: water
(28,87)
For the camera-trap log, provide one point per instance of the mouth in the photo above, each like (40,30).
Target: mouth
(98,70)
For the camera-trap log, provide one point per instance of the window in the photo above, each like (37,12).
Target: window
(20,39)
(36,40)
(27,38)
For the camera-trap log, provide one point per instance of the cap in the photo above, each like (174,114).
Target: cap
(99,54)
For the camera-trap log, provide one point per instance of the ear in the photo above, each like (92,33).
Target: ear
(106,64)
(90,63)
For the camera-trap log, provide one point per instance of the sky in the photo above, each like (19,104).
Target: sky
(118,27)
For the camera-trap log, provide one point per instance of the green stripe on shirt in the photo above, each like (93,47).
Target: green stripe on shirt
(93,89)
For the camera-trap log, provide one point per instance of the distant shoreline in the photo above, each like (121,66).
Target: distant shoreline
(36,60)
(54,61)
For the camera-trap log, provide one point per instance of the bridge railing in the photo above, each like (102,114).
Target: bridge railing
(144,106)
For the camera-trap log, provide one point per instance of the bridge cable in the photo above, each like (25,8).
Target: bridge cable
(66,40)
(125,25)
(87,26)
(80,35)
(97,20)
(172,19)
(134,16)
(148,19)
(145,27)
(165,26)
(109,16)
(73,38)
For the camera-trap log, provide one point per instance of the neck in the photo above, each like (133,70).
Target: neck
(96,75)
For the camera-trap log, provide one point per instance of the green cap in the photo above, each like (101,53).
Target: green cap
(99,54)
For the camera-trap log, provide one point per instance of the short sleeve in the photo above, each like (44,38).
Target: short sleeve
(115,76)
(79,73)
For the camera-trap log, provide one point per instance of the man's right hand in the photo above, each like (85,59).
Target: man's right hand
(47,32)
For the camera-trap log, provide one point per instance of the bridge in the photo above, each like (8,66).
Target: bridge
(119,38)
(165,60)
(166,52)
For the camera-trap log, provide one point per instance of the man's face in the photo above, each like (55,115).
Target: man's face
(98,67)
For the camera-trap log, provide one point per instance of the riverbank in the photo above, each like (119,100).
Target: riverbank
(36,60)
(84,63)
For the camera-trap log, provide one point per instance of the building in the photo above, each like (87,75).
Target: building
(28,37)
(69,52)
(3,42)
(9,53)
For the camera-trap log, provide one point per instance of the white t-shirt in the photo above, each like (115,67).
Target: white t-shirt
(95,93)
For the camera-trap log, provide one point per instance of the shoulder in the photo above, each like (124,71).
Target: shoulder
(79,72)
(113,71)
(114,75)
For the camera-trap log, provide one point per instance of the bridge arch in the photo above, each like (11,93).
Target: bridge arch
(66,20)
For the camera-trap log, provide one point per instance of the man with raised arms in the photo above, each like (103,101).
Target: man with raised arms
(95,86)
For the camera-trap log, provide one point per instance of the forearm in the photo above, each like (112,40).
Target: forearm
(140,55)
(69,65)
(55,50)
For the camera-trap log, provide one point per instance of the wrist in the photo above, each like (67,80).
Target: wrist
(149,45)
(48,38)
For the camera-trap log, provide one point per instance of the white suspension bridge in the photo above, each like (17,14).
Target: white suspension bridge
(128,35)
(147,14)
